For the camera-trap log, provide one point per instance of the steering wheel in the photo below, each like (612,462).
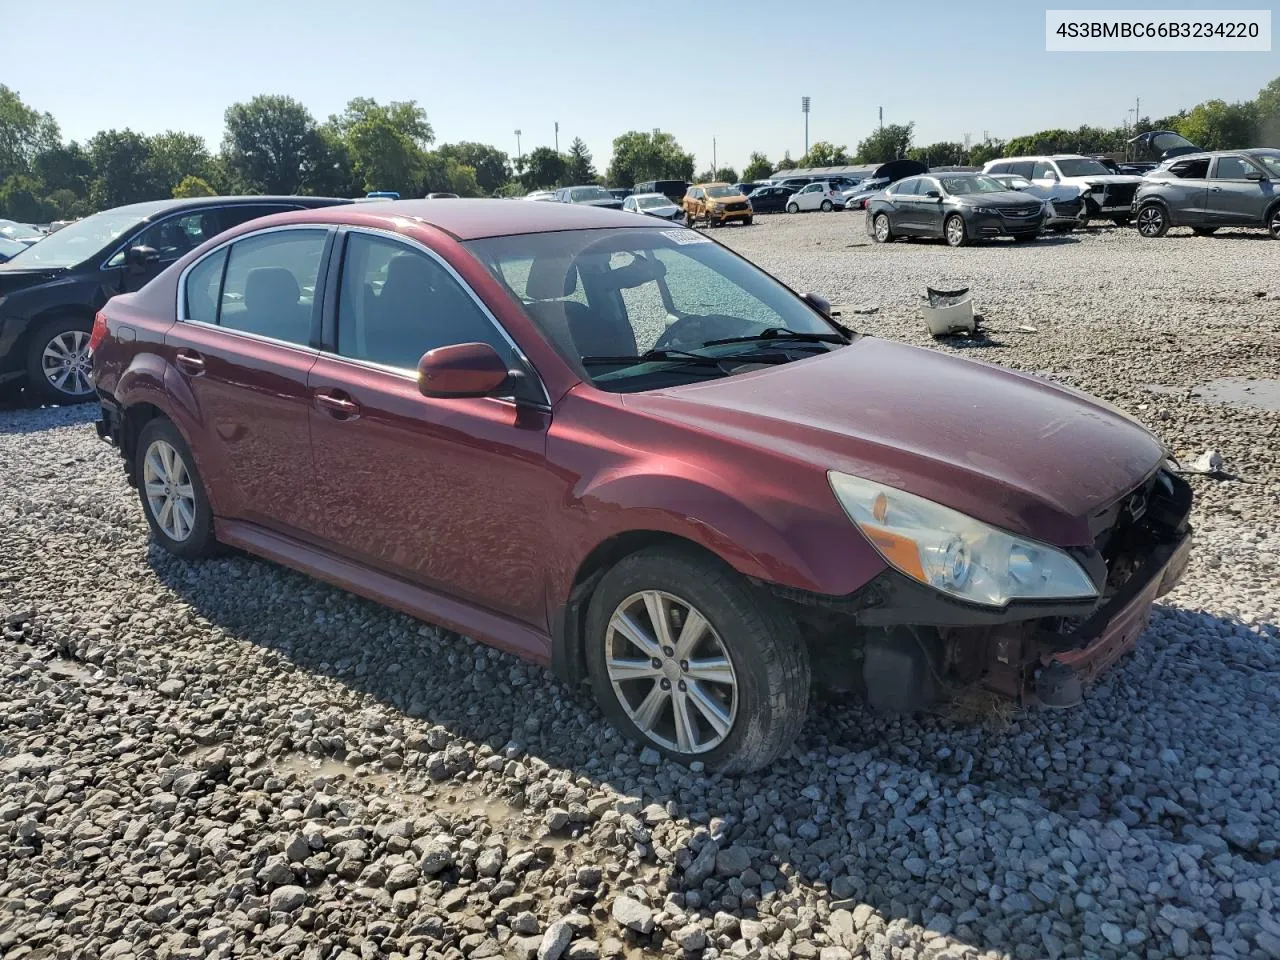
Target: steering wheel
(695,330)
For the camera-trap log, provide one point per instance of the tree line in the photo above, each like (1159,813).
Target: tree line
(272,144)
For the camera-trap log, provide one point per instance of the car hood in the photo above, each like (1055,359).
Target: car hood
(19,276)
(666,210)
(1102,179)
(1005,198)
(1016,451)
(607,204)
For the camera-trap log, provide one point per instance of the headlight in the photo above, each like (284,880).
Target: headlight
(994,211)
(954,553)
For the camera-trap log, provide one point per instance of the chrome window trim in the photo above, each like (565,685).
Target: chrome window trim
(147,225)
(257,337)
(457,278)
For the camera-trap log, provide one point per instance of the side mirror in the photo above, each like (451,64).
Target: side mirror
(1253,175)
(821,304)
(933,194)
(1051,175)
(461,370)
(139,258)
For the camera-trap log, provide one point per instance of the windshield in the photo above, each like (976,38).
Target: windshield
(722,191)
(79,241)
(1016,182)
(618,293)
(1269,161)
(1082,167)
(647,203)
(10,248)
(18,231)
(959,186)
(578,194)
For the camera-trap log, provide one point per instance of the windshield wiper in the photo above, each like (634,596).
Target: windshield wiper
(781,333)
(686,356)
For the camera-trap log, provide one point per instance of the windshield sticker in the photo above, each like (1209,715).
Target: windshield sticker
(685,236)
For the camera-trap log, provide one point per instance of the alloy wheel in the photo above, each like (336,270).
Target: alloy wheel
(1150,220)
(170,494)
(671,672)
(882,228)
(1274,227)
(955,231)
(66,363)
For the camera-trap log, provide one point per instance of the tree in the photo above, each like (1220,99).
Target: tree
(544,168)
(175,156)
(192,186)
(986,151)
(1266,111)
(492,166)
(648,156)
(887,143)
(1218,125)
(24,133)
(757,168)
(824,154)
(66,204)
(20,200)
(387,143)
(786,163)
(727,174)
(945,153)
(442,173)
(64,168)
(272,145)
(122,169)
(578,168)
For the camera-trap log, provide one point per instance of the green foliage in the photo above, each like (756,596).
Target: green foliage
(123,172)
(888,143)
(786,163)
(175,156)
(272,145)
(443,174)
(727,174)
(1218,125)
(20,200)
(387,144)
(943,154)
(64,168)
(544,169)
(648,156)
(578,168)
(988,150)
(492,166)
(1266,110)
(24,133)
(192,186)
(758,167)
(825,154)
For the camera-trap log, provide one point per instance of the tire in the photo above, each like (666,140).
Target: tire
(954,231)
(1025,237)
(1122,221)
(827,206)
(1153,221)
(58,352)
(882,229)
(186,529)
(1204,231)
(1063,228)
(793,208)
(762,698)
(746,222)
(1273,222)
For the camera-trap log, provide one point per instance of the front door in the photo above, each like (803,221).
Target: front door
(810,197)
(243,348)
(452,494)
(929,209)
(1234,198)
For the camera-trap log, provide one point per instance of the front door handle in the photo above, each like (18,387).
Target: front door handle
(338,405)
(189,362)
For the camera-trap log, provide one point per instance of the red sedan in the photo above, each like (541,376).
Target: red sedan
(615,447)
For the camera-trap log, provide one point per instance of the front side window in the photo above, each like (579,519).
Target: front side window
(1023,168)
(649,289)
(176,236)
(906,188)
(270,284)
(1231,168)
(395,303)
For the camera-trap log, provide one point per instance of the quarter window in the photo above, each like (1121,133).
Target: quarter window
(1231,168)
(396,303)
(204,285)
(270,285)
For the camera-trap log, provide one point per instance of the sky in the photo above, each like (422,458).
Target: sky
(732,72)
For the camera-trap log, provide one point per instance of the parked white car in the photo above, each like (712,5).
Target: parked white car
(816,196)
(653,205)
(1063,202)
(1106,194)
(541,195)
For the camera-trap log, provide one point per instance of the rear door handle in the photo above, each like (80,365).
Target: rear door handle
(338,405)
(189,362)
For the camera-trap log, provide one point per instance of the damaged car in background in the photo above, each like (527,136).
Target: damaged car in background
(1063,203)
(1106,194)
(683,481)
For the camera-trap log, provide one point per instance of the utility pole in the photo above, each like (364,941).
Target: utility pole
(804,108)
(519,155)
(714,168)
(557,136)
(882,119)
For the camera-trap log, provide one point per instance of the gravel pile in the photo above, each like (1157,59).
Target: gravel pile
(229,759)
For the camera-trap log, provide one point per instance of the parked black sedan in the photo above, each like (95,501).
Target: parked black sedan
(958,207)
(770,199)
(50,291)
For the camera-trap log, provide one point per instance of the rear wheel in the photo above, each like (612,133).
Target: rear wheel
(882,230)
(685,657)
(1153,222)
(793,208)
(746,221)
(954,230)
(1273,222)
(826,206)
(173,495)
(1204,231)
(58,361)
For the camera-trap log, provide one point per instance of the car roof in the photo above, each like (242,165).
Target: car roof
(714,183)
(641,196)
(471,219)
(151,208)
(1044,156)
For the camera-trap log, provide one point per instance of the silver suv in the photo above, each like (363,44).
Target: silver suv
(1205,191)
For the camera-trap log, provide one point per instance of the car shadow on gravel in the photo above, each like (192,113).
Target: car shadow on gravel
(1036,832)
(22,416)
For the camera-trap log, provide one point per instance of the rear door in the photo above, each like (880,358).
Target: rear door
(1186,192)
(248,319)
(1235,199)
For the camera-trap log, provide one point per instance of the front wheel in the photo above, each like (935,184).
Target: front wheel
(1273,223)
(826,206)
(793,208)
(58,361)
(686,657)
(954,231)
(1152,221)
(1062,228)
(746,222)
(173,495)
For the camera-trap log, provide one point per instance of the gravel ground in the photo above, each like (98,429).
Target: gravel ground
(229,759)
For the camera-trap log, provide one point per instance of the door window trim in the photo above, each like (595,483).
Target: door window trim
(325,256)
(340,254)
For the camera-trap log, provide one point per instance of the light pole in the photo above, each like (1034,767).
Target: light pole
(557,136)
(804,108)
(519,155)
(714,168)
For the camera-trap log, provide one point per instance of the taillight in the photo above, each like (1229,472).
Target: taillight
(99,331)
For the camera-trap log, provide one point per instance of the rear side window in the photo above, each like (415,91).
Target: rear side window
(243,213)
(396,303)
(270,284)
(1191,169)
(204,287)
(1023,168)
